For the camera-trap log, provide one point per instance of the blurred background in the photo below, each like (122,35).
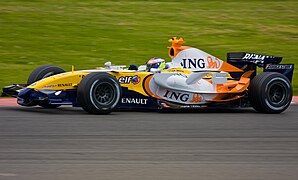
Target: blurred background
(87,33)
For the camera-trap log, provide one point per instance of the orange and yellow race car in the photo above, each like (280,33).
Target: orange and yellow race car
(193,79)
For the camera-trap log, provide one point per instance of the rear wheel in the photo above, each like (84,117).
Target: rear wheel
(99,93)
(40,73)
(270,92)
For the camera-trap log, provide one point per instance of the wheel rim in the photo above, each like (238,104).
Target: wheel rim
(277,93)
(104,93)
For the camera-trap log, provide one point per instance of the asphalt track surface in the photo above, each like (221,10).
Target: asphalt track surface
(67,143)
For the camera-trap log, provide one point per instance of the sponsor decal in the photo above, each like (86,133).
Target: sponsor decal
(254,56)
(213,64)
(134,101)
(196,98)
(135,79)
(177,70)
(50,86)
(129,79)
(193,63)
(176,96)
(64,84)
(57,85)
(193,106)
(279,66)
(183,97)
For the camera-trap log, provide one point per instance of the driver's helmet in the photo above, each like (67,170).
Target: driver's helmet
(156,63)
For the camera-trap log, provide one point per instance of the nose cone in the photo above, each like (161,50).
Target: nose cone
(26,97)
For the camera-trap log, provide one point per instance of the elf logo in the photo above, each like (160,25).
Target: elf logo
(129,79)
(193,63)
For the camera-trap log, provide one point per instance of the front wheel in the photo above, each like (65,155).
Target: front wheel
(99,93)
(42,72)
(270,92)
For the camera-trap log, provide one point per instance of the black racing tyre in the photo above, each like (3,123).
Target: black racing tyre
(99,93)
(43,72)
(270,92)
(40,73)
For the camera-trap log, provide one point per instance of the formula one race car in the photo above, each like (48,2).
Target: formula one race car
(193,79)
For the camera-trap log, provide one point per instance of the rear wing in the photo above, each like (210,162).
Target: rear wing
(250,61)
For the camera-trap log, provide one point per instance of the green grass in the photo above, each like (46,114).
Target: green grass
(88,33)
